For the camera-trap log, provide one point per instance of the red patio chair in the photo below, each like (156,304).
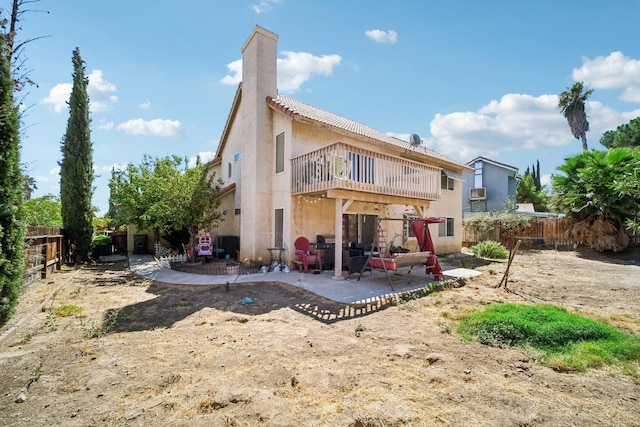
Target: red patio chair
(307,256)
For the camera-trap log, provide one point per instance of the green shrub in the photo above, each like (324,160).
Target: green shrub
(490,249)
(101,241)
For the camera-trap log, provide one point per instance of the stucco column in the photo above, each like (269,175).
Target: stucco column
(337,274)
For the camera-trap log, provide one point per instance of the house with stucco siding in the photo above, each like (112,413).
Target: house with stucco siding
(291,169)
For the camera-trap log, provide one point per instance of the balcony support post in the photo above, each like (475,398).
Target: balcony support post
(337,275)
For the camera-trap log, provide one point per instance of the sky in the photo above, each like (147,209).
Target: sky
(471,78)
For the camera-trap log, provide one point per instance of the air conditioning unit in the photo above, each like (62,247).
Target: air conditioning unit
(478,194)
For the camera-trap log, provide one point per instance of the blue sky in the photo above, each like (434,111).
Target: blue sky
(470,77)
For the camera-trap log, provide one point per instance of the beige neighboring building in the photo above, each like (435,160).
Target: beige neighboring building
(291,169)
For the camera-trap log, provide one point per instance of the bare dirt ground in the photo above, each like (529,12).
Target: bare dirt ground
(197,356)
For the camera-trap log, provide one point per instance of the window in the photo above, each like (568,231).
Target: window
(445,229)
(446,183)
(478,174)
(407,219)
(278,228)
(237,157)
(280,153)
(229,169)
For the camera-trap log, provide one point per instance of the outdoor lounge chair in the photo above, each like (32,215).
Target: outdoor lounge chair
(307,256)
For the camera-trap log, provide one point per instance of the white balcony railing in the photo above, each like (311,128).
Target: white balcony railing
(346,167)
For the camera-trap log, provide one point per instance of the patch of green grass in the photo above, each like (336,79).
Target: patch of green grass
(490,249)
(66,310)
(569,342)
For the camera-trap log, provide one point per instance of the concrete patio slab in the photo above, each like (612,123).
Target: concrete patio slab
(372,286)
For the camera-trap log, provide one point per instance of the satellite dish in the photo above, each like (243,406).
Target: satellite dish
(415,139)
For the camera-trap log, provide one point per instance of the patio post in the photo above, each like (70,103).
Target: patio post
(337,275)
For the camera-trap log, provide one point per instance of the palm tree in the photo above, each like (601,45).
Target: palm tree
(571,104)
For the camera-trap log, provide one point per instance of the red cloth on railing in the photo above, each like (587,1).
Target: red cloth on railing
(421,231)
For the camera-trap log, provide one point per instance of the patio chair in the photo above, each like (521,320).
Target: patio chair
(307,256)
(353,261)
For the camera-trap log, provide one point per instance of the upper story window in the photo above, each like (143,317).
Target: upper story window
(446,182)
(280,153)
(229,169)
(477,183)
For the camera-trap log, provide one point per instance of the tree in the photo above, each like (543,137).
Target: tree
(45,211)
(11,193)
(527,192)
(571,104)
(626,135)
(166,195)
(29,185)
(600,191)
(14,48)
(76,167)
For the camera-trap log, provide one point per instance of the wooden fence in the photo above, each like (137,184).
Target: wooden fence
(42,253)
(542,231)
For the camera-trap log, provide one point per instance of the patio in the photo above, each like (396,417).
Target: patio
(372,287)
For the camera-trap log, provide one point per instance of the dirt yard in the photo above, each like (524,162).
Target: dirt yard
(197,356)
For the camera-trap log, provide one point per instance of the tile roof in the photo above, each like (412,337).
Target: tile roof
(294,108)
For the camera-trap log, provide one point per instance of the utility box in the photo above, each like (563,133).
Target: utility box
(140,244)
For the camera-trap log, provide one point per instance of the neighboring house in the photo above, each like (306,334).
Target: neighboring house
(291,169)
(488,187)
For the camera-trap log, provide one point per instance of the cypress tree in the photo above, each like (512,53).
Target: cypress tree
(76,167)
(12,225)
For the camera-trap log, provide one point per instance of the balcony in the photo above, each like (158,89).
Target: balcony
(340,166)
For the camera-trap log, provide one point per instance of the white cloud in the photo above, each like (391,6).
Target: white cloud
(615,71)
(380,36)
(294,69)
(105,124)
(58,96)
(235,73)
(515,122)
(99,91)
(145,105)
(205,156)
(108,168)
(51,182)
(298,67)
(155,127)
(264,6)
